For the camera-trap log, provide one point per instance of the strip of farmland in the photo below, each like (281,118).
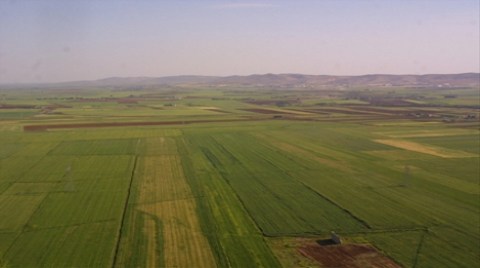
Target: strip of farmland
(127,124)
(162,217)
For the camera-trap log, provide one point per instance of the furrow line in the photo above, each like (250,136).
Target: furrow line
(120,230)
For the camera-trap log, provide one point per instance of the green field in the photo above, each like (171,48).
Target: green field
(211,178)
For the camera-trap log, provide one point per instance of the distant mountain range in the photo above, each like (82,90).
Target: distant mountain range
(279,81)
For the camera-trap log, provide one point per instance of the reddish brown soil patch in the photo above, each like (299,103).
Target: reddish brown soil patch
(349,255)
(118,100)
(95,100)
(218,111)
(196,97)
(129,100)
(264,111)
(28,106)
(315,111)
(17,106)
(341,111)
(377,110)
(390,102)
(125,124)
(272,102)
(404,111)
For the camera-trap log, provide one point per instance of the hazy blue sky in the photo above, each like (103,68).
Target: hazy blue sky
(44,41)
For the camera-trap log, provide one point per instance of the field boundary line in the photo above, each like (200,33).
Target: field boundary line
(372,231)
(67,226)
(362,222)
(228,183)
(393,230)
(24,227)
(120,230)
(419,248)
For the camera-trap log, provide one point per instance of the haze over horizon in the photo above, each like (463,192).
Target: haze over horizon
(55,41)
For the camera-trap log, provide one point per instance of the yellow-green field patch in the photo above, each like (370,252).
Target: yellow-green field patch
(292,149)
(430,133)
(454,183)
(158,146)
(36,148)
(164,210)
(395,154)
(161,179)
(184,243)
(29,188)
(426,149)
(89,245)
(16,210)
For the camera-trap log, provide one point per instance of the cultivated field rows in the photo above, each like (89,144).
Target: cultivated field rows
(247,193)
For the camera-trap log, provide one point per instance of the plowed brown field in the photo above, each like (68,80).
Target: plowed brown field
(350,255)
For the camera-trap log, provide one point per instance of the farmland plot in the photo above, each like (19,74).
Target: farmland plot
(417,147)
(234,238)
(89,245)
(65,168)
(67,209)
(13,168)
(392,191)
(340,165)
(17,210)
(58,206)
(164,210)
(36,148)
(7,149)
(96,135)
(466,143)
(158,146)
(248,193)
(29,188)
(277,202)
(97,147)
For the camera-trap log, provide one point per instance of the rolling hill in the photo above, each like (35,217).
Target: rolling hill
(275,80)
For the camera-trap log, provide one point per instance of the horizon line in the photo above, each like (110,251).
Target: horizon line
(222,76)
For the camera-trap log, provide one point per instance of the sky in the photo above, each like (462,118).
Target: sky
(53,41)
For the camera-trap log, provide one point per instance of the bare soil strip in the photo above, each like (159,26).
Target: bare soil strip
(347,255)
(264,111)
(274,111)
(128,124)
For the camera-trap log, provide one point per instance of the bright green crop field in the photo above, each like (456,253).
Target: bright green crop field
(229,178)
